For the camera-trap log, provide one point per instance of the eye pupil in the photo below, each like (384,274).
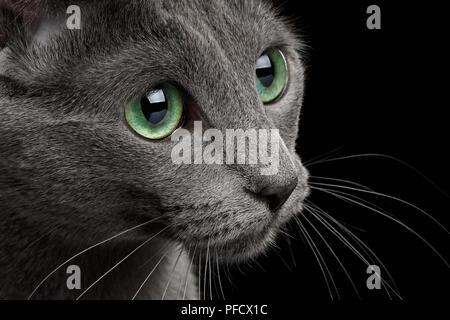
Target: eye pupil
(154,106)
(271,75)
(265,70)
(156,114)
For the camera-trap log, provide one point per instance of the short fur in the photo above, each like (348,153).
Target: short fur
(72,173)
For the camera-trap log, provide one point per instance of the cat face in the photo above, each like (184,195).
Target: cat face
(78,162)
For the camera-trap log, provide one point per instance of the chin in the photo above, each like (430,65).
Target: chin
(242,248)
(241,245)
(250,245)
(247,249)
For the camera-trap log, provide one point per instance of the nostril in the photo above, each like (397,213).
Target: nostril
(277,195)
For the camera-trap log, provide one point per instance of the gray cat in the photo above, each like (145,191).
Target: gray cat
(78,181)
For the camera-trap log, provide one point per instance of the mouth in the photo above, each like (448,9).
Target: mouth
(246,248)
(241,248)
(244,245)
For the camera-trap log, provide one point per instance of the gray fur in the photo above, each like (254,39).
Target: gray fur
(72,173)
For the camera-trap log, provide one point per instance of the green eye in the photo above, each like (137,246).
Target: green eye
(271,75)
(156,114)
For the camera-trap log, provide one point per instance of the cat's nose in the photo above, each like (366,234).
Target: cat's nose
(277,194)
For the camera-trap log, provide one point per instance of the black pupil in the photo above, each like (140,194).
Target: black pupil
(264,70)
(154,106)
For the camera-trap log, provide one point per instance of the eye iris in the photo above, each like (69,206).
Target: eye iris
(154,106)
(156,114)
(271,75)
(265,71)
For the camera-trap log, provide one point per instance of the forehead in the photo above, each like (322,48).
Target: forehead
(229,24)
(226,24)
(131,45)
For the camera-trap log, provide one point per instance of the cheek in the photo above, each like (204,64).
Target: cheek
(285,116)
(287,124)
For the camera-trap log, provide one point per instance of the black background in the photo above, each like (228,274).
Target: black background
(368,91)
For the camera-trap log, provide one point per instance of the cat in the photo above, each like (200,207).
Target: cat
(79,187)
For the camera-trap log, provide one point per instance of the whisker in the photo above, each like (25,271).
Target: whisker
(322,156)
(291,252)
(147,261)
(199,274)
(218,275)
(171,274)
(331,250)
(286,234)
(359,242)
(210,285)
(259,265)
(86,250)
(148,277)
(215,275)
(206,269)
(341,180)
(341,238)
(122,260)
(282,260)
(385,156)
(316,255)
(383,195)
(338,194)
(187,271)
(185,278)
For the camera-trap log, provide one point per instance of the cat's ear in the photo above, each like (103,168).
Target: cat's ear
(28,21)
(19,21)
(24,22)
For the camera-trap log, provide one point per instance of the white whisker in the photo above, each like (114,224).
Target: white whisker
(322,156)
(187,271)
(148,277)
(342,180)
(383,195)
(206,269)
(319,258)
(385,156)
(181,280)
(120,262)
(359,242)
(87,249)
(210,282)
(339,195)
(199,275)
(171,274)
(218,274)
(331,250)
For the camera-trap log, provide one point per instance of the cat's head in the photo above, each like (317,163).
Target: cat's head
(73,158)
